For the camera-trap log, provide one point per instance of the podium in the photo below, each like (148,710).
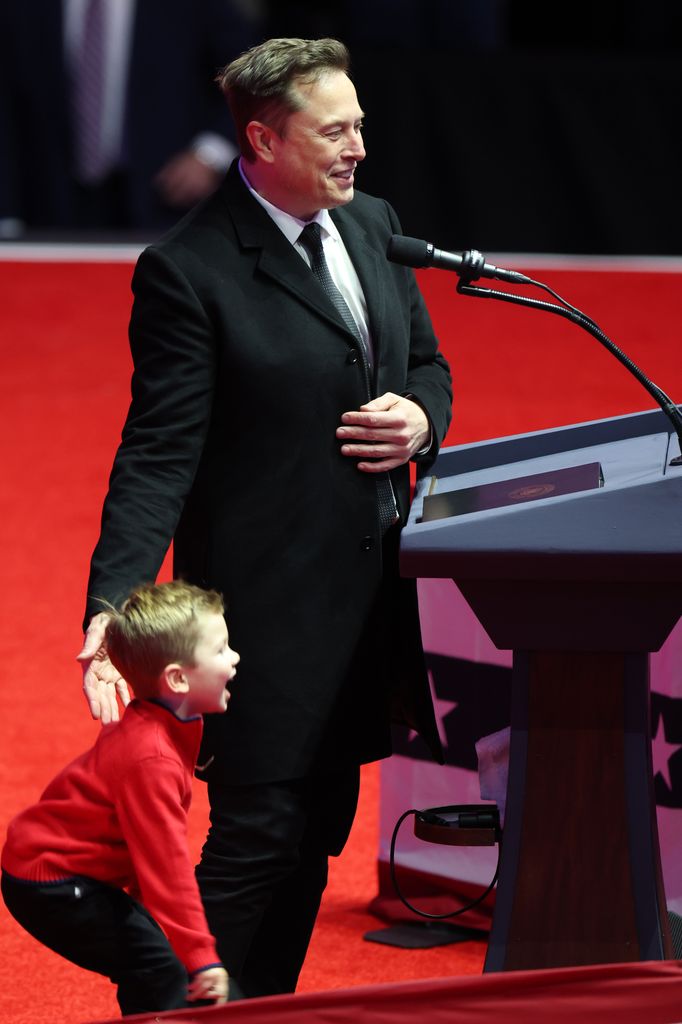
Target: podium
(581,580)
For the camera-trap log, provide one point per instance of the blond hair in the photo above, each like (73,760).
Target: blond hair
(260,85)
(156,625)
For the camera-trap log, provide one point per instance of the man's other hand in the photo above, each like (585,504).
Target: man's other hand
(389,430)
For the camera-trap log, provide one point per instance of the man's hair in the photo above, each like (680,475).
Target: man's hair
(260,85)
(156,625)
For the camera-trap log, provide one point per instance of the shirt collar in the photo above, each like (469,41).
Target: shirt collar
(289,225)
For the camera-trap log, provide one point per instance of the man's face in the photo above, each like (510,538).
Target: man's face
(313,162)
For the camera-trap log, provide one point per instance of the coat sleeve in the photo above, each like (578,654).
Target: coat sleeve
(174,357)
(428,374)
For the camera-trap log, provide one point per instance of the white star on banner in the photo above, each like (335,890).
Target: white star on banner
(662,752)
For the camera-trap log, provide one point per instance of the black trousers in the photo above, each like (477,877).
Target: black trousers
(104,930)
(263,871)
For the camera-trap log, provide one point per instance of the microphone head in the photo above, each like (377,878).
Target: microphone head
(409,252)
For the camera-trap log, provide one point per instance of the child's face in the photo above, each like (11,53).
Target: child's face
(215,665)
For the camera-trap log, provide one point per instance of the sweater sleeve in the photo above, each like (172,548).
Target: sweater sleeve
(152,811)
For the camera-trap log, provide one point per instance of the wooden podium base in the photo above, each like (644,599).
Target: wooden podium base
(580,879)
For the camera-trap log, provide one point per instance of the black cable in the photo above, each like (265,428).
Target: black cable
(546,287)
(423,913)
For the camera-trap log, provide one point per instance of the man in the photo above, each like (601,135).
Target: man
(270,433)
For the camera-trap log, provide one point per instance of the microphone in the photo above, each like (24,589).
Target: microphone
(414,252)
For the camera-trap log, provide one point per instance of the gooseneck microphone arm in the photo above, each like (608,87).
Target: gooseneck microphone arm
(471,265)
(579,318)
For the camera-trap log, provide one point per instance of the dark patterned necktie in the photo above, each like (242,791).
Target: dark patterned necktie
(88,96)
(311,240)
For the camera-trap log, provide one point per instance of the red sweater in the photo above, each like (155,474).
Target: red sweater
(118,813)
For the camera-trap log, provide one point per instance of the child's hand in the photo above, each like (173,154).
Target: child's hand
(212,984)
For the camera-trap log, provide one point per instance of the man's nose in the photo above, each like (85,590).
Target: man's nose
(356,146)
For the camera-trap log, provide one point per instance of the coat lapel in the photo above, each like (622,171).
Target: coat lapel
(368,264)
(274,255)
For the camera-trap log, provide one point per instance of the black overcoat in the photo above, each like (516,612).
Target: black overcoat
(242,372)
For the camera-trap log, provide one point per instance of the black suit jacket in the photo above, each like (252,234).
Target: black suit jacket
(177,46)
(242,371)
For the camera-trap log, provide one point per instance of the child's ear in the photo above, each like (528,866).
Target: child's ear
(175,679)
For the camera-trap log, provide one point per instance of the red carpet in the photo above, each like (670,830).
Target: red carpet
(64,394)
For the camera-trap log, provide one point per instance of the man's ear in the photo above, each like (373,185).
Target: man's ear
(260,137)
(175,679)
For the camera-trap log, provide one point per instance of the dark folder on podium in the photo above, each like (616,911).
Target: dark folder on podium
(513,491)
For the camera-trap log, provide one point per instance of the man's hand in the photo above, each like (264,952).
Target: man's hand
(185,179)
(101,681)
(212,984)
(389,430)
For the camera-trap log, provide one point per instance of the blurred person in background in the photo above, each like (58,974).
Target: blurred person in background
(109,116)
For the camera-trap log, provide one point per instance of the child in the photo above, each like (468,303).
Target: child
(99,866)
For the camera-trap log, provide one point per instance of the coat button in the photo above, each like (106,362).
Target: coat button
(367,543)
(352,357)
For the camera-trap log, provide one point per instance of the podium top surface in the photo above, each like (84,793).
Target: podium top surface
(628,528)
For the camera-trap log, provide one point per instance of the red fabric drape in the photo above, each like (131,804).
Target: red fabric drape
(643,993)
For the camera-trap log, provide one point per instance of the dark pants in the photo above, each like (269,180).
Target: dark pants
(102,929)
(263,871)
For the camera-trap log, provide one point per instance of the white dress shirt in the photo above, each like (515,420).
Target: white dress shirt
(335,253)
